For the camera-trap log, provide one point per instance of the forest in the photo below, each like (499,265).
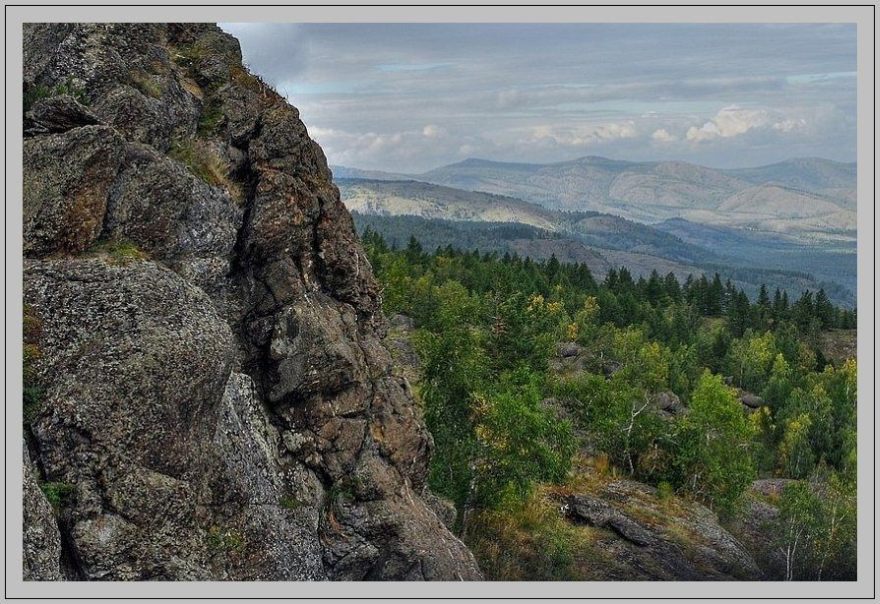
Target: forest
(760,399)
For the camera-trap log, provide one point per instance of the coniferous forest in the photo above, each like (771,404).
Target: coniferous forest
(539,377)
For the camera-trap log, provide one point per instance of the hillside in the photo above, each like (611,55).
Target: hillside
(644,415)
(412,198)
(807,198)
(452,216)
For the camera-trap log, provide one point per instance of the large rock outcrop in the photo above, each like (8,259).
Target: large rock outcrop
(643,536)
(210,391)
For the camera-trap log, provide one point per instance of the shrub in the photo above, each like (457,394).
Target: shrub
(519,442)
(714,442)
(210,118)
(57,494)
(289,502)
(70,87)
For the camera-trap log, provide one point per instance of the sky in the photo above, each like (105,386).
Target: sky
(411,97)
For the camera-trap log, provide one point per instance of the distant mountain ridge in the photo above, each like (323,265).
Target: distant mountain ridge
(439,215)
(429,201)
(810,198)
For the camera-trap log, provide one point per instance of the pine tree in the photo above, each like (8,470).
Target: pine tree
(673,289)
(778,311)
(824,310)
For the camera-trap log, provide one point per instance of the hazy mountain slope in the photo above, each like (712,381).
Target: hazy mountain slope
(346,172)
(805,197)
(770,200)
(521,239)
(414,198)
(808,173)
(411,198)
(826,261)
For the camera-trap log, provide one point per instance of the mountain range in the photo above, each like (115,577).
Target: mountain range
(810,199)
(779,250)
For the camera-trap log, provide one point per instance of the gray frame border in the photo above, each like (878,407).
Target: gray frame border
(862,15)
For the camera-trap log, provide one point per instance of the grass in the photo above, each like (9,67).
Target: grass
(120,252)
(57,494)
(341,491)
(289,502)
(205,163)
(37,92)
(240,76)
(187,56)
(224,540)
(147,84)
(532,541)
(210,119)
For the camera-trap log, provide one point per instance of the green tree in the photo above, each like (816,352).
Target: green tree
(750,360)
(824,310)
(713,456)
(815,531)
(519,441)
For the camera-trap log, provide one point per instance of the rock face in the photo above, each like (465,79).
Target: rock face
(215,400)
(646,537)
(42,541)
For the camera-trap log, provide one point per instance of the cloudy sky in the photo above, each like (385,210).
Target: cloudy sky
(410,97)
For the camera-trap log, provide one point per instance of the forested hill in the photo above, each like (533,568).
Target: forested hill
(604,243)
(632,405)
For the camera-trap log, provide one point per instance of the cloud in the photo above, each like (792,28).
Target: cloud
(790,124)
(728,122)
(582,136)
(662,135)
(432,131)
(409,97)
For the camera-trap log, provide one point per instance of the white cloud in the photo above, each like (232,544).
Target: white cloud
(728,122)
(790,124)
(583,135)
(432,131)
(662,135)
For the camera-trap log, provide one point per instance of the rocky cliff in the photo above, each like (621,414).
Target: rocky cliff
(207,395)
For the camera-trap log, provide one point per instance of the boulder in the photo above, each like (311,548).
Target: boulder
(67,180)
(595,512)
(639,535)
(569,349)
(668,404)
(399,321)
(752,401)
